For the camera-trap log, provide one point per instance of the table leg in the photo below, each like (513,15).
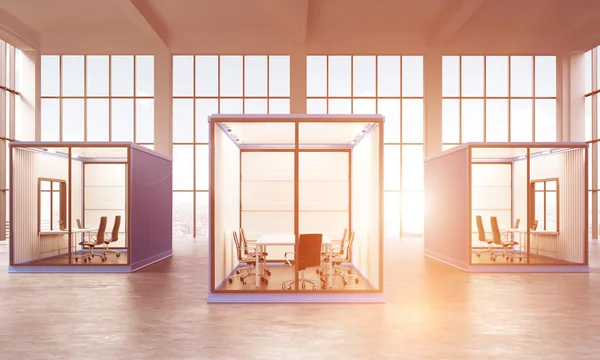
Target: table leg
(330,266)
(258,251)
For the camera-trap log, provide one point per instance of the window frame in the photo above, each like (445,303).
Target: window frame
(62,191)
(544,191)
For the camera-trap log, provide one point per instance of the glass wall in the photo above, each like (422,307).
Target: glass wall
(592,119)
(206,85)
(387,85)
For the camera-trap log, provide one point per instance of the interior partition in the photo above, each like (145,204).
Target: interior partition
(225,181)
(365,207)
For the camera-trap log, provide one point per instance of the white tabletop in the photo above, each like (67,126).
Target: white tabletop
(63,232)
(541,232)
(283,239)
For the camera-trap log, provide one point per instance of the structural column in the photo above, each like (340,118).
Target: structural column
(298,81)
(29,116)
(432,82)
(163,104)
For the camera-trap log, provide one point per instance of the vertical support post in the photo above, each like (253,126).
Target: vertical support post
(296,204)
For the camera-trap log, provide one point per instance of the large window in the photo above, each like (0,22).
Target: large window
(10,58)
(391,86)
(206,85)
(52,204)
(592,133)
(98,98)
(545,204)
(498,99)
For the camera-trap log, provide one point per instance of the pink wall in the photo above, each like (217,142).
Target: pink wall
(151,208)
(447,208)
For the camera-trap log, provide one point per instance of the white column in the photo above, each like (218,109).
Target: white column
(432,82)
(29,115)
(298,81)
(163,108)
(571,97)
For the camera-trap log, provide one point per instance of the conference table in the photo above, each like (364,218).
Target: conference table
(55,234)
(533,233)
(287,240)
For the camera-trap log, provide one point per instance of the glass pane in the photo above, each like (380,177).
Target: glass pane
(539,209)
(496,122)
(121,75)
(538,185)
(588,118)
(391,214)
(255,76)
(550,185)
(279,106)
(73,120)
(50,75)
(472,120)
(50,120)
(279,76)
(232,106)
(412,121)
(412,167)
(450,76)
(340,76)
(472,75)
(183,120)
(598,69)
(45,210)
(55,224)
(183,167)
(364,106)
(202,215)
(97,75)
(204,109)
(364,73)
(316,106)
(340,106)
(521,112)
(231,71)
(496,75)
(183,214)
(201,167)
(588,71)
(551,210)
(122,119)
(183,75)
(316,76)
(545,76)
(390,108)
(388,76)
(144,120)
(207,76)
(72,76)
(412,76)
(391,167)
(144,75)
(413,213)
(97,119)
(450,121)
(521,76)
(255,106)
(545,120)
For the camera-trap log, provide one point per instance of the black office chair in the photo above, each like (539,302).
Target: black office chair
(308,253)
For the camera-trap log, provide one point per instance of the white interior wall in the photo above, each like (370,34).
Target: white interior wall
(106,195)
(28,167)
(226,203)
(365,207)
(569,168)
(490,196)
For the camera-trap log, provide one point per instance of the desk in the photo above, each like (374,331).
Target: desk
(287,239)
(50,234)
(536,234)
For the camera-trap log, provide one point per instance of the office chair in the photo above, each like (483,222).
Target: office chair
(534,225)
(484,237)
(114,236)
(92,244)
(502,241)
(308,254)
(344,272)
(264,254)
(249,261)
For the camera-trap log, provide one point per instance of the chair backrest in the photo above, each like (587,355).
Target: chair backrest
(349,251)
(308,250)
(495,230)
(115,231)
(79,226)
(517,223)
(480,229)
(534,225)
(101,231)
(342,245)
(238,247)
(243,241)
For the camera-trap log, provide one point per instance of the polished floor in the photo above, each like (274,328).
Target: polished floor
(534,259)
(63,259)
(433,311)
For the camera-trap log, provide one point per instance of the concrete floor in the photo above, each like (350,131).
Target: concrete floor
(433,311)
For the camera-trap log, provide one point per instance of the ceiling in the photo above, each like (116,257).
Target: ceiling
(304,26)
(283,133)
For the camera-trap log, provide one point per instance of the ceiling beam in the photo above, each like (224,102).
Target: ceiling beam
(145,19)
(452,18)
(17,33)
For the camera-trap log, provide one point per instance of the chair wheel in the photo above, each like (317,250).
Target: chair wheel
(356,280)
(103,259)
(318,271)
(478,254)
(230,280)
(349,271)
(344,282)
(237,272)
(289,287)
(314,287)
(303,286)
(323,286)
(242,279)
(85,260)
(76,259)
(118,254)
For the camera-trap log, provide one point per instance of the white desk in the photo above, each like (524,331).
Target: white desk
(535,233)
(290,239)
(55,234)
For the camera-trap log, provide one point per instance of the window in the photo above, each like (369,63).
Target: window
(545,204)
(206,85)
(592,120)
(387,85)
(98,98)
(498,99)
(52,204)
